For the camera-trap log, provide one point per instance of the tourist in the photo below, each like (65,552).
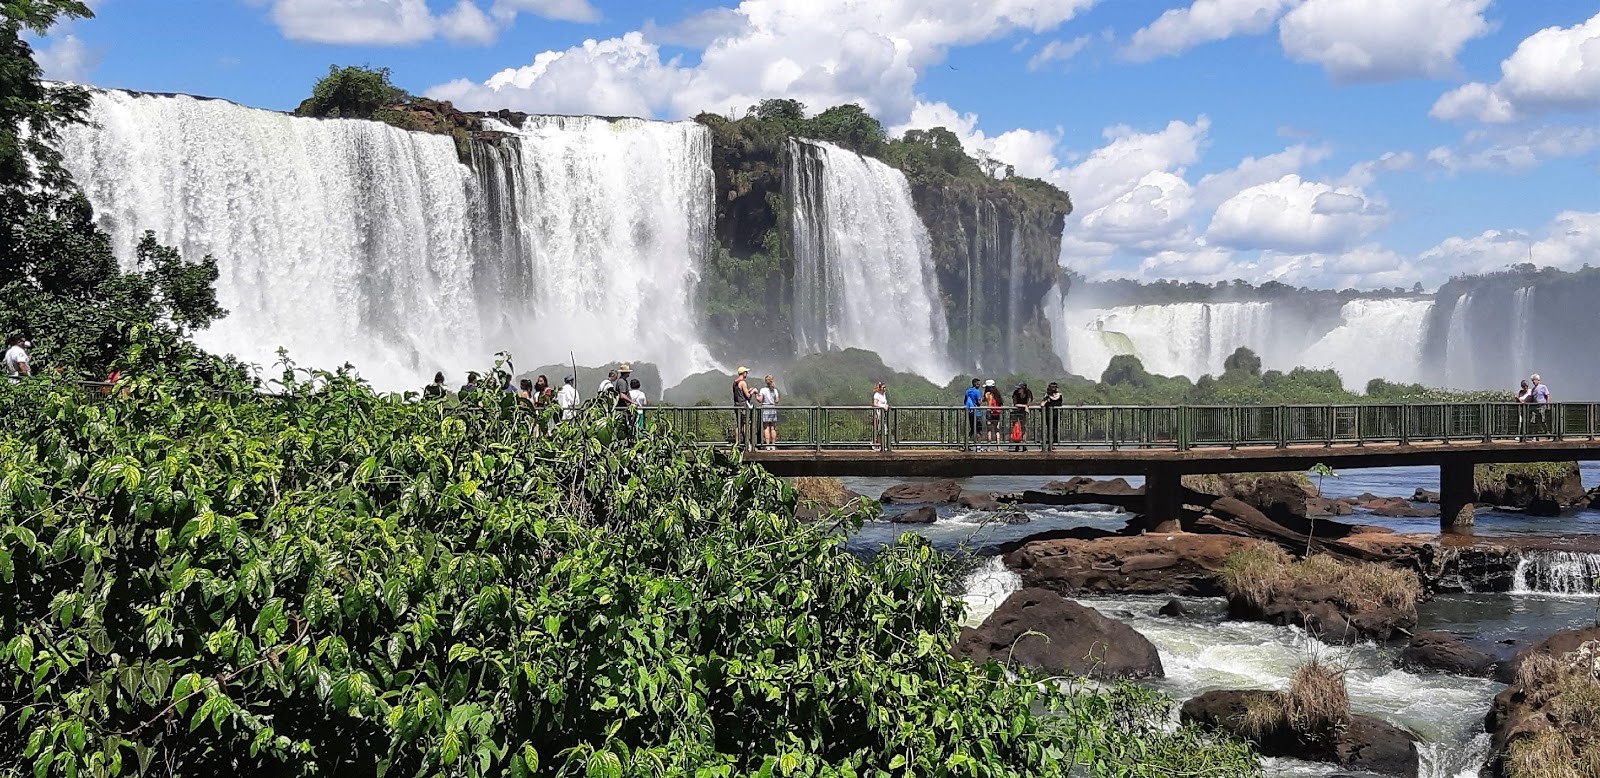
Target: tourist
(638,400)
(434,390)
(542,393)
(623,385)
(1539,397)
(17,364)
(880,413)
(525,390)
(1021,399)
(470,387)
(1522,393)
(992,399)
(507,382)
(607,384)
(971,401)
(1052,412)
(567,399)
(768,396)
(741,407)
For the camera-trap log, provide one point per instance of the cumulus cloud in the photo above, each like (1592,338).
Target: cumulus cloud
(1181,29)
(1030,152)
(1570,240)
(1215,188)
(64,57)
(1295,215)
(1131,193)
(824,53)
(1365,41)
(403,22)
(1363,173)
(1508,152)
(1057,51)
(1554,69)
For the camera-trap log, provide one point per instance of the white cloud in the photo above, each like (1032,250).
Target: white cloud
(1181,29)
(1295,215)
(1214,188)
(823,52)
(1131,194)
(561,10)
(1516,152)
(1057,51)
(404,22)
(1363,173)
(1571,239)
(1030,152)
(1363,41)
(64,57)
(1557,68)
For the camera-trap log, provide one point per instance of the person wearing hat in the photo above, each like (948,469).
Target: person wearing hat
(567,398)
(620,385)
(741,407)
(1021,399)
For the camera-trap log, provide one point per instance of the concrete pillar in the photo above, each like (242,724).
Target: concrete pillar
(1456,495)
(1163,498)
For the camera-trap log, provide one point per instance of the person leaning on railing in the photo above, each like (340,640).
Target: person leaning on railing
(1052,412)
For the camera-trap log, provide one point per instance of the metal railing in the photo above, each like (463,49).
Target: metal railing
(1180,428)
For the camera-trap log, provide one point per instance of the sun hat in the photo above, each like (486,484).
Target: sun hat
(625,368)
(567,380)
(988,383)
(742,369)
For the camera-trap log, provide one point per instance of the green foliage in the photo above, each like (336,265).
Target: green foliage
(31,110)
(1125,370)
(850,126)
(352,92)
(332,582)
(1242,360)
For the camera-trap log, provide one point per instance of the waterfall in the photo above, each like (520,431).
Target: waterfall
(1557,572)
(864,274)
(1399,324)
(1458,356)
(354,242)
(1521,329)
(1190,339)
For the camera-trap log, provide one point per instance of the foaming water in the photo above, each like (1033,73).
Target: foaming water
(986,588)
(1570,573)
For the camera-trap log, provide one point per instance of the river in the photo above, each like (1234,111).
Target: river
(1204,651)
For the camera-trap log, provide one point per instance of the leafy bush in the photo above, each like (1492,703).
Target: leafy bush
(338,583)
(351,92)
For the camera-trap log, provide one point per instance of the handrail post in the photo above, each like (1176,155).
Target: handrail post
(1183,428)
(1405,424)
(1561,421)
(1283,426)
(1488,428)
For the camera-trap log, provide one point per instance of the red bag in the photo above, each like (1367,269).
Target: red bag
(1016,432)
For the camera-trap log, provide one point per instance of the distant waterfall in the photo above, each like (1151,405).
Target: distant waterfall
(1557,572)
(1459,360)
(864,275)
(352,241)
(1398,324)
(1521,329)
(1191,339)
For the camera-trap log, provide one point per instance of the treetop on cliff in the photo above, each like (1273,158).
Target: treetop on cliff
(352,92)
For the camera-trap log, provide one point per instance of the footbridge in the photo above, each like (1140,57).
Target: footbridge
(1160,443)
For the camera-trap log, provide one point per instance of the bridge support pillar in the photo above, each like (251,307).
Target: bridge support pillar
(1163,498)
(1456,496)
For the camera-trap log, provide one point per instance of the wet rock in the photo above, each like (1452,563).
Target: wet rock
(1278,495)
(1179,563)
(1563,642)
(1407,511)
(1361,743)
(1425,496)
(1446,653)
(1326,613)
(923,515)
(979,501)
(1073,639)
(1321,506)
(1174,609)
(1088,491)
(931,492)
(1543,489)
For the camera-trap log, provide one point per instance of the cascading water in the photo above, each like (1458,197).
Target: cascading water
(864,274)
(1458,352)
(1399,324)
(1190,339)
(352,241)
(1557,572)
(1521,329)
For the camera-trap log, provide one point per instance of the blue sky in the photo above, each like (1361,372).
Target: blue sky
(1319,142)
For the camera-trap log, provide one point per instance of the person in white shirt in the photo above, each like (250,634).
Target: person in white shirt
(17,358)
(567,399)
(768,395)
(637,398)
(880,413)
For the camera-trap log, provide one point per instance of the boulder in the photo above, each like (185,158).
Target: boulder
(1425,496)
(1361,743)
(1072,639)
(1445,652)
(1541,489)
(1174,609)
(1327,614)
(1179,563)
(1277,495)
(1407,511)
(1555,696)
(1564,642)
(979,501)
(819,496)
(1321,506)
(926,493)
(1088,491)
(922,515)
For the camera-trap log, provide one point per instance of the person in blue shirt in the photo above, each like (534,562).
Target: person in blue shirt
(974,400)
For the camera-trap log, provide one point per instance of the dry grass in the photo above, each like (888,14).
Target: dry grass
(1492,478)
(822,492)
(1317,702)
(1567,689)
(1261,574)
(1263,715)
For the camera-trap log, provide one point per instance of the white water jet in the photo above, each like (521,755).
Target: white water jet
(1459,361)
(1557,572)
(864,275)
(986,588)
(355,242)
(1374,339)
(1521,331)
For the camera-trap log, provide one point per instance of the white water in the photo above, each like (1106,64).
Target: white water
(1191,339)
(1459,361)
(1375,339)
(351,241)
(864,275)
(1521,329)
(1557,572)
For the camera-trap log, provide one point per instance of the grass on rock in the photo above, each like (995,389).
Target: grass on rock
(1263,573)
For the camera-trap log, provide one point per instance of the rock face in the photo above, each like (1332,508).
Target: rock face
(1275,494)
(930,493)
(1446,653)
(1361,744)
(1539,489)
(921,515)
(1076,640)
(1179,563)
(1555,699)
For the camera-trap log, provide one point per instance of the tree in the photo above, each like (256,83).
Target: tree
(30,109)
(787,114)
(848,125)
(352,92)
(1242,360)
(1125,370)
